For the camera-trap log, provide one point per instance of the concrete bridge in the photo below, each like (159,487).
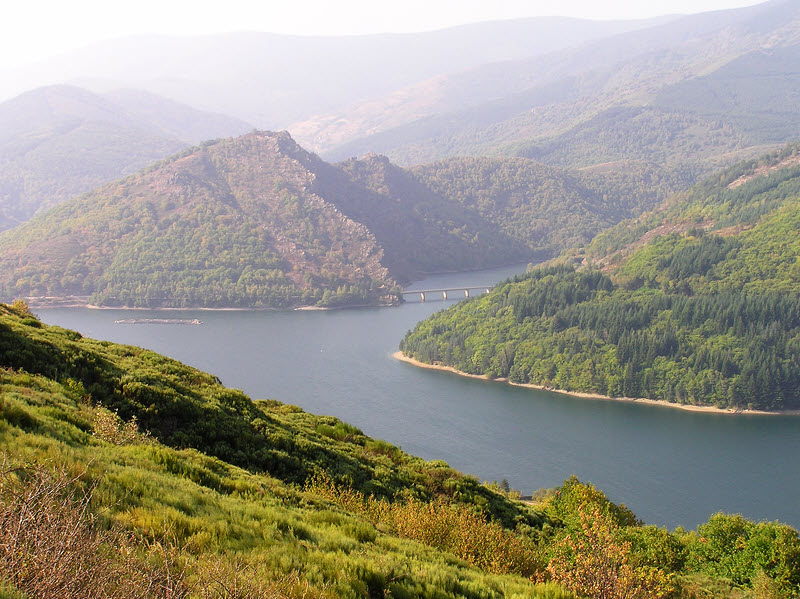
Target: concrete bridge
(451,290)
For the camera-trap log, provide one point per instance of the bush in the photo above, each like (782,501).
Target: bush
(109,427)
(52,548)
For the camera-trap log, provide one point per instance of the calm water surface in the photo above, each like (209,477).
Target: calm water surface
(671,467)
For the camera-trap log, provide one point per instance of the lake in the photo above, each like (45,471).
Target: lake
(672,468)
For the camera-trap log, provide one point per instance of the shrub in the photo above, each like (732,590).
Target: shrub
(109,427)
(442,525)
(593,563)
(51,546)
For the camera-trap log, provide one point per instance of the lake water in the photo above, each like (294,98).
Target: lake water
(672,468)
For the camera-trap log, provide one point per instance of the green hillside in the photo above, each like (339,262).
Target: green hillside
(259,222)
(735,199)
(230,223)
(697,304)
(60,141)
(550,209)
(127,474)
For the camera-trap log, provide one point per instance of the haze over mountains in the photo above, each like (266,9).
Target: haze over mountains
(580,105)
(587,123)
(59,141)
(272,80)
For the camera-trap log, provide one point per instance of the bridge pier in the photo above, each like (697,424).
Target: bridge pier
(466,293)
(444,294)
(422,297)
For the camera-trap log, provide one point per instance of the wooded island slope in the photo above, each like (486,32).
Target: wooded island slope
(695,303)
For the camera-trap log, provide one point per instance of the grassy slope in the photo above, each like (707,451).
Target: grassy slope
(215,511)
(164,511)
(186,509)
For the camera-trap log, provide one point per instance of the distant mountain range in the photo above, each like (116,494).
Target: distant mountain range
(60,141)
(273,80)
(257,221)
(309,505)
(690,94)
(704,89)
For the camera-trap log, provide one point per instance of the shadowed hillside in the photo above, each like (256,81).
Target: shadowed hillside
(259,222)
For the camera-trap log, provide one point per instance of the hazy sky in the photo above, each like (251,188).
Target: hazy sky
(34,29)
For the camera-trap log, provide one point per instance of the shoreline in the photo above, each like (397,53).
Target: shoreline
(61,303)
(398,355)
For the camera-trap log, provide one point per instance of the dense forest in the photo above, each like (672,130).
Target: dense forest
(696,304)
(550,209)
(577,331)
(148,478)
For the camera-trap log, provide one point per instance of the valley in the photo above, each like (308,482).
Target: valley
(474,302)
(340,363)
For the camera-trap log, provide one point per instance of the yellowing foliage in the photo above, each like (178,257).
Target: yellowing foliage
(442,525)
(592,563)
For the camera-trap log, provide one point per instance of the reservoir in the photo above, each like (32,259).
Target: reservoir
(672,468)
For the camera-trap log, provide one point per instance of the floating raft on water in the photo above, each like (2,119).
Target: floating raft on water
(159,321)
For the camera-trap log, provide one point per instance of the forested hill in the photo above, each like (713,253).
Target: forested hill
(254,221)
(550,209)
(257,221)
(229,223)
(696,303)
(127,474)
(60,141)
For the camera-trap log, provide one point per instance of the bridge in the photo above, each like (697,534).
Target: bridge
(465,290)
